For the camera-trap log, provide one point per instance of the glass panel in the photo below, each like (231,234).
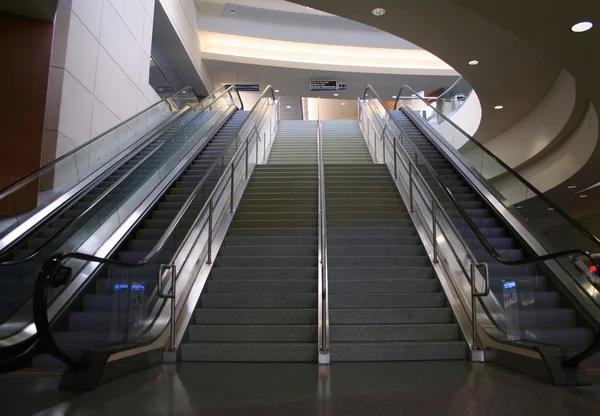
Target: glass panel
(523,299)
(80,228)
(133,303)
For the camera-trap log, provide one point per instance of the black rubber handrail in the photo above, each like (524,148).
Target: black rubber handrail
(101,196)
(62,157)
(53,274)
(524,181)
(576,359)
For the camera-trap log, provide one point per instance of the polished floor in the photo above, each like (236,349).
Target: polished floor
(429,388)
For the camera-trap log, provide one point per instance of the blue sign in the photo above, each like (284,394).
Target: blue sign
(342,86)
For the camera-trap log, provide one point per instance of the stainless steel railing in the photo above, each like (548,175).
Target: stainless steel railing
(323,285)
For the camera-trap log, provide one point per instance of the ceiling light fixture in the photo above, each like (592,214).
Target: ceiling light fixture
(233,11)
(336,94)
(499,107)
(378,11)
(572,186)
(394,96)
(550,209)
(474,62)
(288,106)
(583,196)
(519,206)
(276,90)
(582,27)
(343,103)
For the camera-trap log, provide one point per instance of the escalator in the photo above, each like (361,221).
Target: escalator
(117,300)
(87,221)
(552,319)
(535,295)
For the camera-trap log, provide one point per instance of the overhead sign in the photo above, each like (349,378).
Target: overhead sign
(246,87)
(323,85)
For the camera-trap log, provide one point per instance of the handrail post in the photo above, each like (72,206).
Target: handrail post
(210,230)
(383,141)
(410,186)
(474,307)
(395,160)
(232,186)
(246,158)
(434,230)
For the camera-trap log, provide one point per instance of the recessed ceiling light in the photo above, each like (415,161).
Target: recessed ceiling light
(276,90)
(499,107)
(550,209)
(343,103)
(378,11)
(233,11)
(394,96)
(336,94)
(582,27)
(473,62)
(288,106)
(572,186)
(519,206)
(583,196)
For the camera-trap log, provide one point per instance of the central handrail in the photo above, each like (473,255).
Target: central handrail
(515,174)
(54,274)
(103,194)
(323,277)
(480,236)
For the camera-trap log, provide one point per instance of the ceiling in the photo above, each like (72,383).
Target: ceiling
(521,47)
(296,82)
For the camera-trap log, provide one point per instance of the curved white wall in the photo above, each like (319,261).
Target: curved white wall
(467,117)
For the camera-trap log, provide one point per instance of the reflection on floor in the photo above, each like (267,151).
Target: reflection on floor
(419,388)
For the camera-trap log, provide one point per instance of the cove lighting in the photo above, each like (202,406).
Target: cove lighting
(378,11)
(499,107)
(582,27)
(474,62)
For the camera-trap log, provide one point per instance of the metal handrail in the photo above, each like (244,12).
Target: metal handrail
(323,275)
(483,240)
(100,197)
(53,274)
(524,181)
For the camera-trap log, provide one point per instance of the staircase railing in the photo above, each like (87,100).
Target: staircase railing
(195,249)
(323,276)
(383,115)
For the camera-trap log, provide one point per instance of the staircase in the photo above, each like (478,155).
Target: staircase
(385,301)
(343,142)
(545,315)
(291,145)
(260,301)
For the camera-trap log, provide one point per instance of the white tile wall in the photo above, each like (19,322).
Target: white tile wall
(117,39)
(82,53)
(90,13)
(104,48)
(114,88)
(76,103)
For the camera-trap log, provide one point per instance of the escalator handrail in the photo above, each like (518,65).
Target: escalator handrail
(515,174)
(480,236)
(577,358)
(50,275)
(103,194)
(9,188)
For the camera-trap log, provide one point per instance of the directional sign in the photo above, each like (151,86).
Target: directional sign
(323,85)
(246,87)
(342,86)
